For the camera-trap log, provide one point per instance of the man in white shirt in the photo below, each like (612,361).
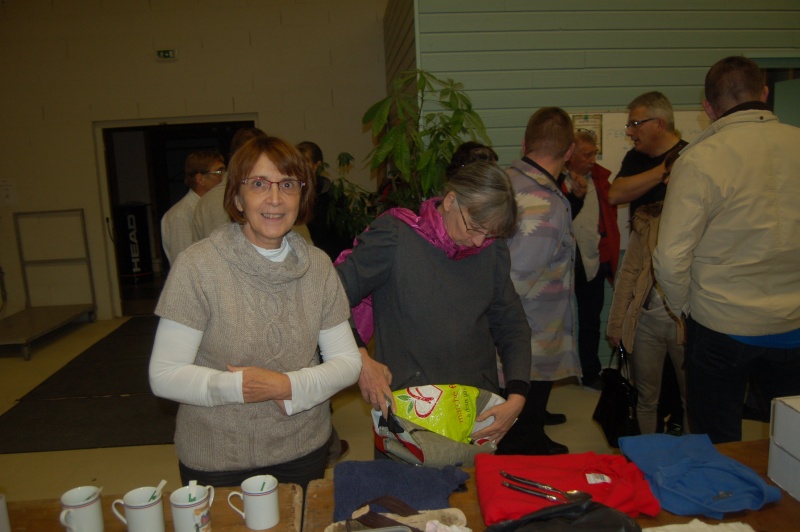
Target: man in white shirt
(209,212)
(203,170)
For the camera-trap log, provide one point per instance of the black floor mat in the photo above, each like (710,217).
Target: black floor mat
(115,365)
(100,399)
(87,423)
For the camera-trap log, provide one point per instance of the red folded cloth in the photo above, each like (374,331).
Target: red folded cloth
(611,479)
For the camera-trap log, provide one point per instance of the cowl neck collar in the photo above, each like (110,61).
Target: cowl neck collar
(232,244)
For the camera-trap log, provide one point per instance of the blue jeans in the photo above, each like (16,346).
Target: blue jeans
(718,370)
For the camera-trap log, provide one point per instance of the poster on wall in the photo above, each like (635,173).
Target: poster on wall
(593,123)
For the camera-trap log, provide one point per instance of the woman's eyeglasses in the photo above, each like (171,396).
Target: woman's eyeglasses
(473,231)
(261,185)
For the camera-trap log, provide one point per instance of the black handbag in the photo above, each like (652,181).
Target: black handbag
(616,409)
(588,516)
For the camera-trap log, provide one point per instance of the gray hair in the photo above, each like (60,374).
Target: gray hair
(483,189)
(657,105)
(586,135)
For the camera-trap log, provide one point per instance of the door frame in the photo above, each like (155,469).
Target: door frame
(107,215)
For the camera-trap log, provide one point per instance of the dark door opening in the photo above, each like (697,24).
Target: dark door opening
(144,165)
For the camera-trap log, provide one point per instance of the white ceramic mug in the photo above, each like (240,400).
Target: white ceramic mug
(260,496)
(82,510)
(144,510)
(191,512)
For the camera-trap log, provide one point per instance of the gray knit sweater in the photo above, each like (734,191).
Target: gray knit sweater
(253,312)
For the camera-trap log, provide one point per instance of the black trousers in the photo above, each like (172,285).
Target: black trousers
(298,471)
(590,295)
(718,369)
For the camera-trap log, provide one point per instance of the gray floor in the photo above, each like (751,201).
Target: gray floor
(48,475)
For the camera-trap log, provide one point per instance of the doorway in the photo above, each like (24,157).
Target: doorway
(144,169)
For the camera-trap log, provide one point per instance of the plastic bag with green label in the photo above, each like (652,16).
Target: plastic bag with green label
(448,410)
(434,424)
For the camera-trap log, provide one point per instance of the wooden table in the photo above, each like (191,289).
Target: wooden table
(43,515)
(783,515)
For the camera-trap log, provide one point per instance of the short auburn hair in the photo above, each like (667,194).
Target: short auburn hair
(287,159)
(549,132)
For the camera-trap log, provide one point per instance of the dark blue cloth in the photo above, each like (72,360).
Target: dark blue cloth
(422,488)
(787,340)
(689,476)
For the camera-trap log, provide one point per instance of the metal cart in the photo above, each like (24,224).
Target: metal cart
(34,322)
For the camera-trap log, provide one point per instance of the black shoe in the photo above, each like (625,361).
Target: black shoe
(545,446)
(554,419)
(674,429)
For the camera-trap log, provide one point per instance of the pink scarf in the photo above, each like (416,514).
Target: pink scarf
(430,226)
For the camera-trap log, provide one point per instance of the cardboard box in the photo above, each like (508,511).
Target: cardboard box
(784,444)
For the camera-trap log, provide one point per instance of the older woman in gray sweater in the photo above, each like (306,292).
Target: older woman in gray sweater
(242,313)
(443,302)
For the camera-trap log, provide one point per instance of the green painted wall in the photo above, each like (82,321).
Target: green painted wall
(515,56)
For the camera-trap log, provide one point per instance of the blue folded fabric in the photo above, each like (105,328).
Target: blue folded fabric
(422,488)
(689,476)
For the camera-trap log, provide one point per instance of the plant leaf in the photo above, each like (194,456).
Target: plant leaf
(372,112)
(384,147)
(378,114)
(457,122)
(402,156)
(424,159)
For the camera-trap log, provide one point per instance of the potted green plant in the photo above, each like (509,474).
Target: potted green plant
(417,127)
(352,207)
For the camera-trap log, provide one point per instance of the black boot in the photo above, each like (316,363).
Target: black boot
(543,445)
(554,419)
(527,435)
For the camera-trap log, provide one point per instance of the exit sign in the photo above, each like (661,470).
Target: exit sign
(166,54)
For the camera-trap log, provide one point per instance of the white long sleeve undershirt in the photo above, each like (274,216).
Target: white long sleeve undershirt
(174,375)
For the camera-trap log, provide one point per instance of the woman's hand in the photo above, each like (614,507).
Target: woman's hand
(374,381)
(614,340)
(505,414)
(259,384)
